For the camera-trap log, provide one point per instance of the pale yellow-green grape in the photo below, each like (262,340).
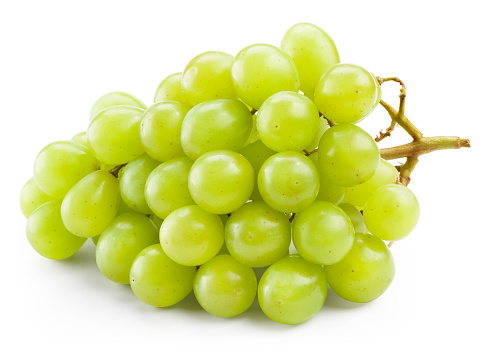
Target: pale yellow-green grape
(391,212)
(156,220)
(221,124)
(170,89)
(379,90)
(82,139)
(292,290)
(47,234)
(365,272)
(348,156)
(313,52)
(91,204)
(224,250)
(31,197)
(62,164)
(287,121)
(254,132)
(95,239)
(160,130)
(261,70)
(125,237)
(358,195)
(327,190)
(288,181)
(167,187)
(208,77)
(257,235)
(346,93)
(323,126)
(132,182)
(114,99)
(114,134)
(322,233)
(221,181)
(224,287)
(123,208)
(159,281)
(256,153)
(191,236)
(355,216)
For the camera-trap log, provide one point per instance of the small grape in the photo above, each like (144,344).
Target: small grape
(114,99)
(170,89)
(355,216)
(31,197)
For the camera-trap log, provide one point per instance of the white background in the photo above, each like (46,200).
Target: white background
(58,57)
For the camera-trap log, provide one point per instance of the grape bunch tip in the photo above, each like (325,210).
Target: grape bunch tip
(242,162)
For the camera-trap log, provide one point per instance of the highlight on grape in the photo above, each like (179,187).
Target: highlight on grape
(242,162)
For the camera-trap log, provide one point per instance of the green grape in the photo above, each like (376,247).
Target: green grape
(221,124)
(47,234)
(208,77)
(348,156)
(224,287)
(327,190)
(346,93)
(287,121)
(254,132)
(123,208)
(379,90)
(132,181)
(323,126)
(221,181)
(170,89)
(167,187)
(91,204)
(391,212)
(114,99)
(292,290)
(160,130)
(31,197)
(156,220)
(261,70)
(313,52)
(121,242)
(82,139)
(365,272)
(358,195)
(256,235)
(288,181)
(159,281)
(191,236)
(114,134)
(256,153)
(322,233)
(62,164)
(355,216)
(95,239)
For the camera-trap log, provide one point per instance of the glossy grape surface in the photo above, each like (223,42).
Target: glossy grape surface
(114,99)
(31,197)
(355,216)
(170,89)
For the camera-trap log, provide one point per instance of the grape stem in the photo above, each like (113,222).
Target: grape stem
(115,171)
(253,111)
(330,122)
(420,145)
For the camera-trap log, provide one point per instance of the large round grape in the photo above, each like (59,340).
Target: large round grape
(160,130)
(159,281)
(287,121)
(261,70)
(358,195)
(322,233)
(167,187)
(191,236)
(221,181)
(365,272)
(292,290)
(114,134)
(288,181)
(91,204)
(313,52)
(120,243)
(391,212)
(348,156)
(170,89)
(208,77)
(31,197)
(62,164)
(222,124)
(132,182)
(257,235)
(346,93)
(114,99)
(224,287)
(47,234)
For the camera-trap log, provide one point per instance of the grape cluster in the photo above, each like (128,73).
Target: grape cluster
(221,176)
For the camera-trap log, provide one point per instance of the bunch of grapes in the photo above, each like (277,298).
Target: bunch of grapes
(243,162)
